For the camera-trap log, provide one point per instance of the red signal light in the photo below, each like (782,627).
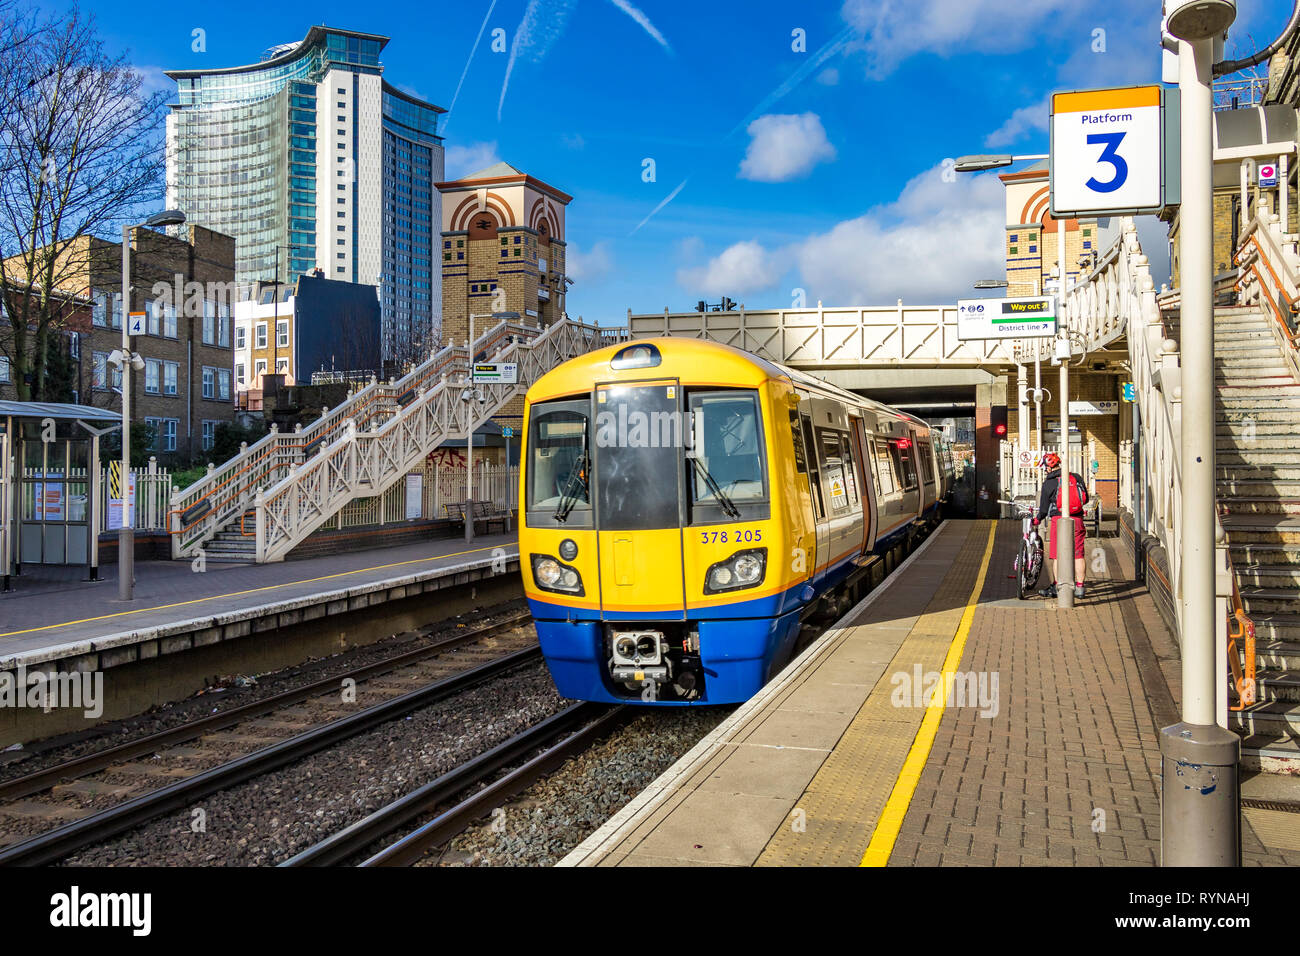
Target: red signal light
(999,429)
(905,443)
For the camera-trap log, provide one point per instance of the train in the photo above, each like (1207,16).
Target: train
(687,509)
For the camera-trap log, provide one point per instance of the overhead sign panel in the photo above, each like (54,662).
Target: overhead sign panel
(1267,175)
(1025,317)
(1107,155)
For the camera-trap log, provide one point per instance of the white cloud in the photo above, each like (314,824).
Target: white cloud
(154,81)
(1027,119)
(784,147)
(890,31)
(829,77)
(463,160)
(589,265)
(928,246)
(742,268)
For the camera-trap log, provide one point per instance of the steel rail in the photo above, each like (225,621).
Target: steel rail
(41,780)
(57,844)
(355,838)
(443,827)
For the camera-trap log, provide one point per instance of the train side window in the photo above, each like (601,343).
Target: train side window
(885,468)
(850,470)
(834,480)
(927,462)
(814,470)
(903,457)
(796,435)
(872,464)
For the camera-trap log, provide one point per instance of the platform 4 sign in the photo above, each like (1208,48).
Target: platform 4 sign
(1017,318)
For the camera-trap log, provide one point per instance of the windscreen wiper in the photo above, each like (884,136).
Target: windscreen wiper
(730,509)
(577,477)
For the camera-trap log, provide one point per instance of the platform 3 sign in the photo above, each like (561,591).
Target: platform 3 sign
(1109,152)
(1018,318)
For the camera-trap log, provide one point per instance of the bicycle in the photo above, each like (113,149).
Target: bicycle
(1029,560)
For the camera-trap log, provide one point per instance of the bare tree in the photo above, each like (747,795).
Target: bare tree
(85,149)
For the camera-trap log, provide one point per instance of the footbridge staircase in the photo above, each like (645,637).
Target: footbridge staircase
(275,493)
(1257,401)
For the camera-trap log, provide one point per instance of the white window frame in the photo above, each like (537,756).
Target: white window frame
(223,384)
(209,382)
(259,369)
(171,377)
(152,372)
(282,333)
(260,340)
(6,372)
(241,337)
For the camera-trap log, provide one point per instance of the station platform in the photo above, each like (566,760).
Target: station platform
(52,617)
(1045,752)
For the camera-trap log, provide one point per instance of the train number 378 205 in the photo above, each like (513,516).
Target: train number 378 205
(721,537)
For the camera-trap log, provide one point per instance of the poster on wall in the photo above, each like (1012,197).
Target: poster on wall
(49,498)
(114,514)
(414,497)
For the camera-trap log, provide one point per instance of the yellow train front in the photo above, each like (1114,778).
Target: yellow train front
(686,507)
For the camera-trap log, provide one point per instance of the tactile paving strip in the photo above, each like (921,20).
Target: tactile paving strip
(834,819)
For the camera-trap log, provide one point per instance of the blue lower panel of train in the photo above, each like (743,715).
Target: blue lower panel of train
(736,656)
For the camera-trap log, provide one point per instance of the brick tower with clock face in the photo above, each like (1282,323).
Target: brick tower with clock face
(503,250)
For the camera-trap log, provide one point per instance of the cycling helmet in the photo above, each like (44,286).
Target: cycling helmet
(1051,460)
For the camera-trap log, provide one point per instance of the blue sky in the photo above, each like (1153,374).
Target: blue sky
(817,169)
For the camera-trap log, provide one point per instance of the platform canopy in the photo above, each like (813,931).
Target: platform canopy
(58,410)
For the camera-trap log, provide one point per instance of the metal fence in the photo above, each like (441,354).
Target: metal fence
(153,490)
(1021,480)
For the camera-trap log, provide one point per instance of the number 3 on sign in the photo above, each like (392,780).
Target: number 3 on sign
(1109,155)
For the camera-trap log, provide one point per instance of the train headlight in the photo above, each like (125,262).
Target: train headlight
(551,575)
(744,569)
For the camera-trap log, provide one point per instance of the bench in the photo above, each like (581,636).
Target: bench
(485,512)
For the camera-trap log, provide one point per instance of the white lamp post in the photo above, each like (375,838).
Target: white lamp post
(130,362)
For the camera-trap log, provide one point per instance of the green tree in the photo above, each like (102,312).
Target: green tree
(143,436)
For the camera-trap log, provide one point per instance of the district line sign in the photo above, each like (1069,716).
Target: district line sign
(1026,317)
(506,373)
(1109,153)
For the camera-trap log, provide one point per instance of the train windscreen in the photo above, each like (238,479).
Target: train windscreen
(559,463)
(638,451)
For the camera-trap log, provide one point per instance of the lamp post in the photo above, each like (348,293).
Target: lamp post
(1200,817)
(129,362)
(981,163)
(472,394)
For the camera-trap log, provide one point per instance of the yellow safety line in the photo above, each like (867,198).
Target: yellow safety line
(232,594)
(891,818)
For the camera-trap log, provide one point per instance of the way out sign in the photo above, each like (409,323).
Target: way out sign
(1108,152)
(1019,318)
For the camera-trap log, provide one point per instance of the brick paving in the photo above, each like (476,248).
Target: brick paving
(1067,772)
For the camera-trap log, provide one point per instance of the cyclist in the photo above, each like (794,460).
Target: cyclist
(1050,505)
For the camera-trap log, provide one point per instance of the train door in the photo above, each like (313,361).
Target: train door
(638,477)
(867,485)
(818,560)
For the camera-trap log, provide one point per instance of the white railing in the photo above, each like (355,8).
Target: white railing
(225,493)
(1269,266)
(365,463)
(1100,306)
(442,485)
(922,336)
(153,491)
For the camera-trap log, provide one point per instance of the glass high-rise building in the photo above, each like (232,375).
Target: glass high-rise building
(313,153)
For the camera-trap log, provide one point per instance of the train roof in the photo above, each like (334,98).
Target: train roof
(695,361)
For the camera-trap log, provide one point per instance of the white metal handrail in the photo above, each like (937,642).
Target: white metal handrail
(225,493)
(1268,270)
(1099,307)
(365,463)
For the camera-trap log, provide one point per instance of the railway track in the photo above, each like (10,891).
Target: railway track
(577,728)
(99,826)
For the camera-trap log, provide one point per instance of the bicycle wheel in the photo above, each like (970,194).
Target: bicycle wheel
(1022,573)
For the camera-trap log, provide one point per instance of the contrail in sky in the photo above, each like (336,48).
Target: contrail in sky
(463,73)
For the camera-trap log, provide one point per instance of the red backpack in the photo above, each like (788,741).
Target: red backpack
(1078,496)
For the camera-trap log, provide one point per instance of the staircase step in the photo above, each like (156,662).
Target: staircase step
(1268,577)
(1250,429)
(1260,506)
(1273,652)
(1283,416)
(1278,685)
(1270,755)
(1246,555)
(1277,720)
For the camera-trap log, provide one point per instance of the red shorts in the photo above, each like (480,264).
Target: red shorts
(1079,537)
